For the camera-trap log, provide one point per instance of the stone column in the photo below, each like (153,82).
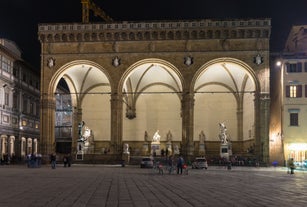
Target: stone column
(187,104)
(47,117)
(240,122)
(77,118)
(264,120)
(116,123)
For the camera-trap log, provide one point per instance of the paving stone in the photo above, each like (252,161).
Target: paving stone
(107,185)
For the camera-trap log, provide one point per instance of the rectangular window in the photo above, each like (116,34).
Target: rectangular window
(24,77)
(31,108)
(293,119)
(294,91)
(6,64)
(6,99)
(15,72)
(294,67)
(25,105)
(15,101)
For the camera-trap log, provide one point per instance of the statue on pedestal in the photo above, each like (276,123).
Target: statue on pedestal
(146,138)
(169,136)
(176,150)
(146,143)
(126,149)
(88,140)
(202,138)
(86,137)
(155,144)
(225,148)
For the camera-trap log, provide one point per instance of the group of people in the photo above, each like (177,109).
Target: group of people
(179,164)
(34,160)
(66,160)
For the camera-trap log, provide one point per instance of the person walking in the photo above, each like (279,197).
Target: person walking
(68,160)
(65,160)
(180,163)
(53,160)
(170,164)
(291,165)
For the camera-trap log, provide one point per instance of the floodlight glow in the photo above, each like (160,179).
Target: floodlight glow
(278,63)
(297,146)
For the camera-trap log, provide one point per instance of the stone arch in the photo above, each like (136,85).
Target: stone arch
(90,86)
(228,86)
(152,87)
(240,63)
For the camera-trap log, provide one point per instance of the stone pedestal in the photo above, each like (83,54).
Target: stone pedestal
(225,150)
(169,149)
(126,158)
(145,149)
(202,150)
(176,150)
(155,148)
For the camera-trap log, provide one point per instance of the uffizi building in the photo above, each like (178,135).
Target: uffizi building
(107,88)
(19,105)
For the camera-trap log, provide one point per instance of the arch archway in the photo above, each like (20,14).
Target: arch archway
(151,92)
(225,91)
(87,89)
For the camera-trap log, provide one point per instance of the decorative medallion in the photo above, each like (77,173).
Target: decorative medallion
(258,59)
(188,60)
(51,62)
(116,61)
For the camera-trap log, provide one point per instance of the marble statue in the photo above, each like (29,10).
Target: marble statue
(146,136)
(202,137)
(176,149)
(88,140)
(87,137)
(126,149)
(223,135)
(156,137)
(169,136)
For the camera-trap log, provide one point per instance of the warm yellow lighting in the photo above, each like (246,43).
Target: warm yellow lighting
(24,123)
(297,146)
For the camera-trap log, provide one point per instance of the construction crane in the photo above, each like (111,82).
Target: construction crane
(88,5)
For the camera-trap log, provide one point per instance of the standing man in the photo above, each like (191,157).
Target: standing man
(53,160)
(291,165)
(180,163)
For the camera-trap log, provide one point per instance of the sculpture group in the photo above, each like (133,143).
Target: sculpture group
(86,139)
(223,136)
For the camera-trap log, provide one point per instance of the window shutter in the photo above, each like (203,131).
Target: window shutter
(287,91)
(299,91)
(299,67)
(287,67)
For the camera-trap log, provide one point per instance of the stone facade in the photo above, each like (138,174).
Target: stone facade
(134,63)
(19,105)
(288,131)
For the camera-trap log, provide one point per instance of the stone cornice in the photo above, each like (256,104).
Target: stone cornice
(150,31)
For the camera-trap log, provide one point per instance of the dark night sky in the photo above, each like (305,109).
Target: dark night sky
(19,19)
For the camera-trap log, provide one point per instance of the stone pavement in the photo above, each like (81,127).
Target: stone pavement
(105,185)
